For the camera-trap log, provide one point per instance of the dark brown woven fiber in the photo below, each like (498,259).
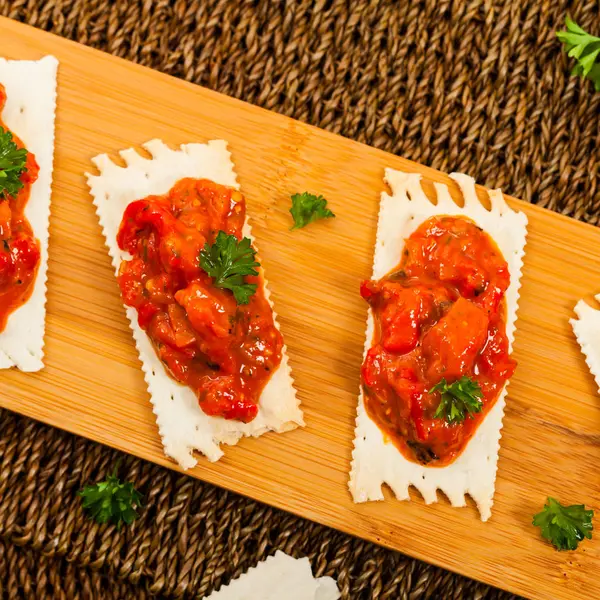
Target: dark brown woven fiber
(27,574)
(475,86)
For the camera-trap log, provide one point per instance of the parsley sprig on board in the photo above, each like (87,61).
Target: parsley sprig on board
(12,165)
(564,526)
(585,48)
(111,501)
(307,208)
(458,399)
(228,261)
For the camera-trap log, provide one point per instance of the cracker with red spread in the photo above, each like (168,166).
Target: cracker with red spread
(442,311)
(27,107)
(196,297)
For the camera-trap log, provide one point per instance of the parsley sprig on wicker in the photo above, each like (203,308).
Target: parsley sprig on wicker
(458,399)
(228,261)
(307,208)
(564,526)
(585,48)
(12,165)
(111,501)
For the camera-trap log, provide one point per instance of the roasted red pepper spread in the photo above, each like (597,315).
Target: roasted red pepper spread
(19,249)
(440,314)
(224,352)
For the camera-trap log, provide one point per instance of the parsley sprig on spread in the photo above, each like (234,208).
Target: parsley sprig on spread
(458,399)
(111,501)
(228,261)
(564,526)
(585,48)
(12,165)
(307,208)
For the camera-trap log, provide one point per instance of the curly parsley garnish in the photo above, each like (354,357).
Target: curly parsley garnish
(458,399)
(564,526)
(111,501)
(307,208)
(228,261)
(585,48)
(12,164)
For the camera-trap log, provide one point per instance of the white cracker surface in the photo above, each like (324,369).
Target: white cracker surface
(587,331)
(29,113)
(279,577)
(182,424)
(376,461)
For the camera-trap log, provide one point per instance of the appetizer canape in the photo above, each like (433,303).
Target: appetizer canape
(27,106)
(442,311)
(197,299)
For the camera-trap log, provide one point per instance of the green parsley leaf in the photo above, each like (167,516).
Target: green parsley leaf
(307,208)
(458,399)
(12,164)
(228,261)
(585,48)
(111,501)
(564,526)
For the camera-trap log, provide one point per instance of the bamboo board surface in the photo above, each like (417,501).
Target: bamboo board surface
(92,384)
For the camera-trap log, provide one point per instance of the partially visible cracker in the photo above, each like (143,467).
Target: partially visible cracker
(279,577)
(29,113)
(587,331)
(376,461)
(182,424)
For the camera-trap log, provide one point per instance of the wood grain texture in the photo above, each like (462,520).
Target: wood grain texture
(93,386)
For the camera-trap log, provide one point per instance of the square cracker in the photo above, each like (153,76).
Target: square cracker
(587,331)
(279,577)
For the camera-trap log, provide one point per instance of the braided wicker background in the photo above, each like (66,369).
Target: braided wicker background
(476,86)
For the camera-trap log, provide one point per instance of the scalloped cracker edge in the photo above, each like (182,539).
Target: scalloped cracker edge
(279,577)
(182,425)
(587,331)
(375,462)
(29,113)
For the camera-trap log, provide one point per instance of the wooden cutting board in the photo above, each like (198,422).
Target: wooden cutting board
(92,384)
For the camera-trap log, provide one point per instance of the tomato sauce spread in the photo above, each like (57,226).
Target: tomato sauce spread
(439,315)
(223,351)
(19,249)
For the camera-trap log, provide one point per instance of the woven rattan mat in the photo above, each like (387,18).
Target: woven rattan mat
(479,87)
